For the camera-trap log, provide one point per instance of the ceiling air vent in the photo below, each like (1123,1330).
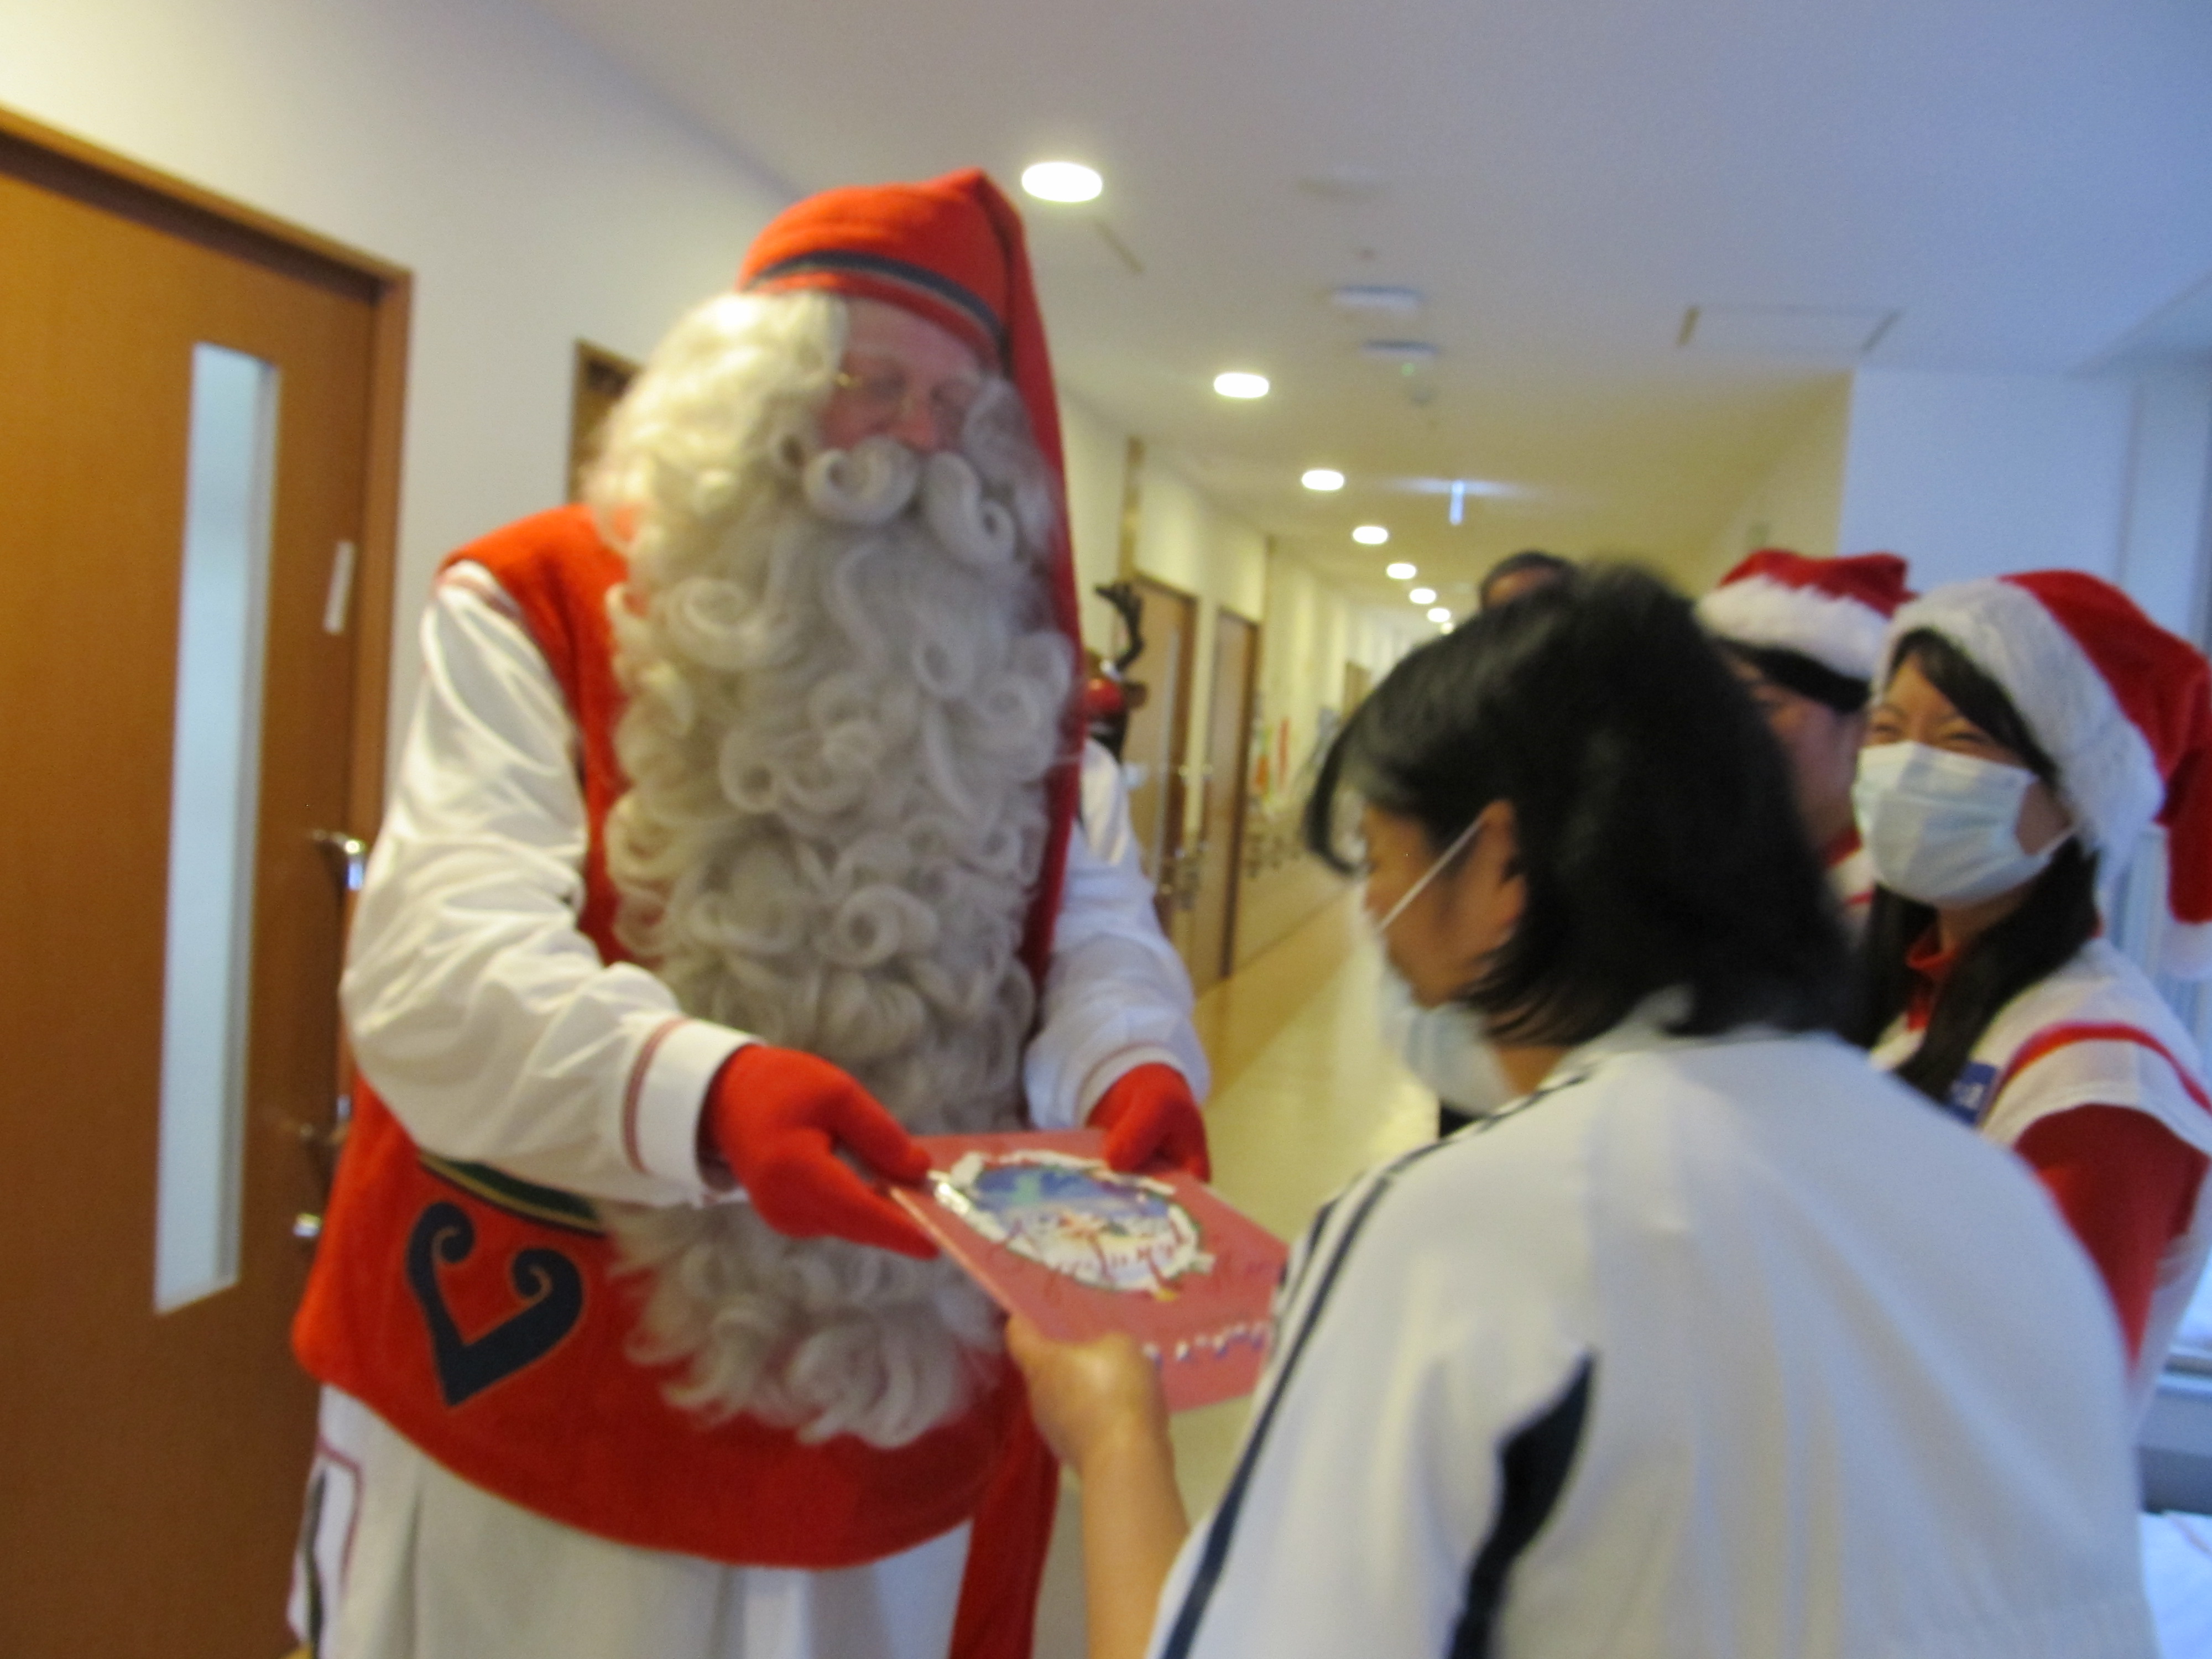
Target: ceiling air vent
(1818,331)
(1372,297)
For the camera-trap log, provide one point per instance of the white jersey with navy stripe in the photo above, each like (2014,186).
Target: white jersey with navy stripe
(1708,1350)
(2094,1033)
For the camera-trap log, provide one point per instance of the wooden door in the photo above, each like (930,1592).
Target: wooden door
(1356,680)
(152,1462)
(1220,858)
(601,378)
(1155,753)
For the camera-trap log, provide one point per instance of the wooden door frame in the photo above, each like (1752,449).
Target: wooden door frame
(1247,693)
(1173,825)
(130,189)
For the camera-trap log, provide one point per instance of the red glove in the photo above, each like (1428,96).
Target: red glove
(1149,1117)
(773,1115)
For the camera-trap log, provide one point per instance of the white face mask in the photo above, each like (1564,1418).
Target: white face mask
(1943,829)
(1446,1046)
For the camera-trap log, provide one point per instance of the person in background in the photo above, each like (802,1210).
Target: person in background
(1520,573)
(1803,635)
(1720,1344)
(2029,729)
(736,842)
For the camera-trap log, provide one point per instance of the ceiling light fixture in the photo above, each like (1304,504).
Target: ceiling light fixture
(1412,353)
(1323,478)
(1438,614)
(1235,383)
(1422,595)
(1062,181)
(1370,535)
(1375,297)
(1402,570)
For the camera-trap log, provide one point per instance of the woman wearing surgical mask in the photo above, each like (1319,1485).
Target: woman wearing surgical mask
(2027,731)
(1710,1343)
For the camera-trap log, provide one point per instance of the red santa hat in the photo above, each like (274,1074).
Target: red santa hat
(1832,610)
(2122,706)
(949,250)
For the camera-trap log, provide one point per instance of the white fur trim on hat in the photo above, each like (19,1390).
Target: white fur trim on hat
(1841,635)
(2107,775)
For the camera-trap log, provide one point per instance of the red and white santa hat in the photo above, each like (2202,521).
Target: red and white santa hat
(2124,709)
(950,250)
(1832,610)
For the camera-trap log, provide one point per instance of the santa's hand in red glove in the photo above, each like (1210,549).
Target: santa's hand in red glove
(1150,1119)
(775,1117)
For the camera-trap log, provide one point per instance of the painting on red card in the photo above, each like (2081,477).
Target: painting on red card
(1052,1233)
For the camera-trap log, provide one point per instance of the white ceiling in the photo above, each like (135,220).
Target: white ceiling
(2027,185)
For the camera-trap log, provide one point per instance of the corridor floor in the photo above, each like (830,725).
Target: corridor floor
(1305,1095)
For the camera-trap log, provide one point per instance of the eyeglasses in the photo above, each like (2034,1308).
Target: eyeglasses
(886,394)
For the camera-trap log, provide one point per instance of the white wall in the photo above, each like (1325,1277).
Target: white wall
(1799,502)
(1974,475)
(1970,475)
(1096,459)
(537,193)
(2163,550)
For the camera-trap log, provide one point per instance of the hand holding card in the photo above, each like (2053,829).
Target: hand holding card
(1054,1233)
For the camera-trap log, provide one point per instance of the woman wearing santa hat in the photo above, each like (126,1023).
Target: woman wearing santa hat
(1804,636)
(2029,729)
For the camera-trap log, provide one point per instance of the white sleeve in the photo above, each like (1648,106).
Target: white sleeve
(482,1015)
(1404,1383)
(1115,996)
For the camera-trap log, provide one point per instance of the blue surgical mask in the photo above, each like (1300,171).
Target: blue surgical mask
(1943,829)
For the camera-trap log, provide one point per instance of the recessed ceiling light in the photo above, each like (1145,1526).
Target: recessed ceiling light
(1370,535)
(1402,570)
(1238,384)
(1422,595)
(1322,478)
(1438,614)
(1062,181)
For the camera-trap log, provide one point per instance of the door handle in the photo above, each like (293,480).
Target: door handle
(347,856)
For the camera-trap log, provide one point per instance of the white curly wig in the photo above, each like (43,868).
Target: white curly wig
(845,692)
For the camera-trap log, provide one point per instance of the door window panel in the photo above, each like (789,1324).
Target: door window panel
(214,779)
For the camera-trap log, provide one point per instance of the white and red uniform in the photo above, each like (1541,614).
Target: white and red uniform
(1709,1349)
(1851,878)
(2089,1076)
(528,1067)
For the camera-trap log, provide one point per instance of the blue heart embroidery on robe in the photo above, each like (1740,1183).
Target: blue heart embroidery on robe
(551,1287)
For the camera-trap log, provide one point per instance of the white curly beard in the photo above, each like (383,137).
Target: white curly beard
(844,697)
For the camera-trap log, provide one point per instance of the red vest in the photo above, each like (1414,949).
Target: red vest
(476,1313)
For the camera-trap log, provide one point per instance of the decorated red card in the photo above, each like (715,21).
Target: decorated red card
(1080,1249)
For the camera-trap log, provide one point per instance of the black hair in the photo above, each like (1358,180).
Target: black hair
(1515,564)
(1793,671)
(2054,920)
(1658,835)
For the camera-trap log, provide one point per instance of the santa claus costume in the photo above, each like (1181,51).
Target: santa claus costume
(2086,1072)
(743,815)
(1807,634)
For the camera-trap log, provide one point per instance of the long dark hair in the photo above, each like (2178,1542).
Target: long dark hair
(2057,918)
(1658,833)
